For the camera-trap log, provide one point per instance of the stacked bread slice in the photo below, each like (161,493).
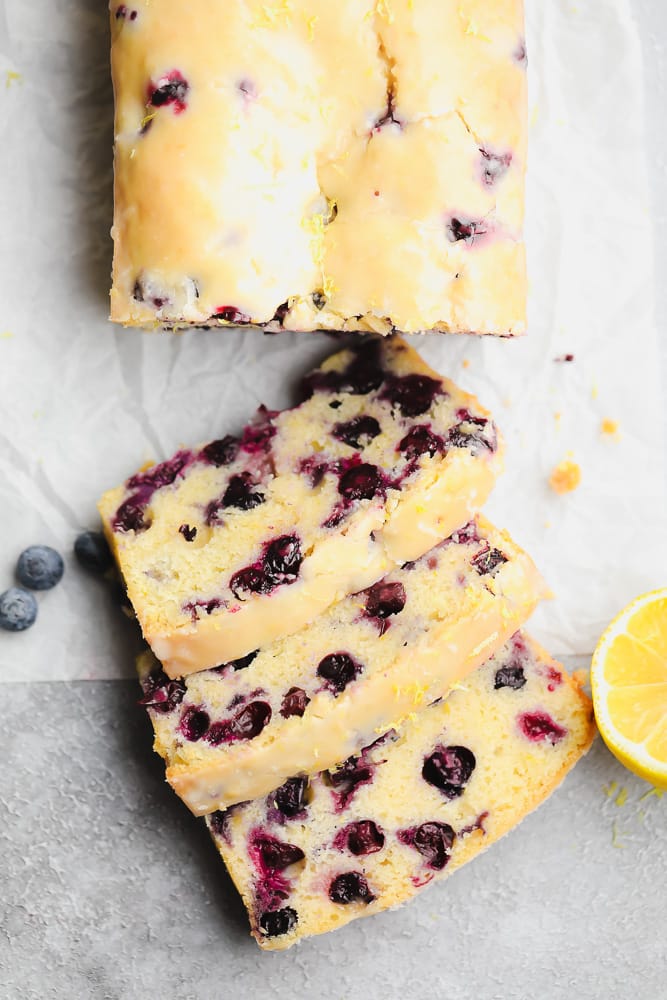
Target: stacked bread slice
(337,677)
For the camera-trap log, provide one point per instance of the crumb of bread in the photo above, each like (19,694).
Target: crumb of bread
(609,427)
(565,477)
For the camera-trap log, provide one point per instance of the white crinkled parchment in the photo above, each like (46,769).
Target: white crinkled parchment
(82,404)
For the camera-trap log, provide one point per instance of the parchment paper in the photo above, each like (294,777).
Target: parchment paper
(82,404)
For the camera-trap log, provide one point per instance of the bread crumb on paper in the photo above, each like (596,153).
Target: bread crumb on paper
(565,477)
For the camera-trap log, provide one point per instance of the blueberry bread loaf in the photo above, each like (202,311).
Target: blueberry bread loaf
(300,164)
(410,809)
(308,701)
(228,546)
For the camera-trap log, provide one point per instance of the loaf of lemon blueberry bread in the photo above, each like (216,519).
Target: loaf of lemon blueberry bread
(411,808)
(231,545)
(303,165)
(310,700)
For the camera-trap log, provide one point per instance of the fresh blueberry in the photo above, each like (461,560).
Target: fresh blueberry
(510,676)
(412,394)
(358,432)
(350,887)
(362,837)
(92,552)
(294,702)
(433,840)
(361,482)
(338,670)
(449,769)
(161,475)
(290,798)
(278,922)
(18,609)
(40,567)
(245,725)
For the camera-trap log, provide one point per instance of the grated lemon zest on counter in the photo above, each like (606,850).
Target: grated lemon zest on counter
(622,797)
(658,792)
(610,788)
(11,76)
(6,335)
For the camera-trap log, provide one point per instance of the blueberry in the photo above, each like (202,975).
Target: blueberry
(433,840)
(385,599)
(449,769)
(221,452)
(421,441)
(511,676)
(351,887)
(250,580)
(358,432)
(161,693)
(488,560)
(294,702)
(347,778)
(338,669)
(240,493)
(230,314)
(361,482)
(245,725)
(92,552)
(290,798)
(188,531)
(244,661)
(412,394)
(494,166)
(277,922)
(362,837)
(467,230)
(172,89)
(219,823)
(276,855)
(194,723)
(283,559)
(18,609)
(40,567)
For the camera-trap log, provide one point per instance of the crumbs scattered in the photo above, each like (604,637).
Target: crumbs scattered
(609,428)
(622,797)
(565,477)
(594,390)
(11,76)
(610,789)
(564,358)
(465,363)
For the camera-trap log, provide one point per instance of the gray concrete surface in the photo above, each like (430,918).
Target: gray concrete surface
(109,889)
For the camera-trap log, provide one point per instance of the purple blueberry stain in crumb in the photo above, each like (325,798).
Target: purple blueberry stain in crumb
(246,724)
(314,469)
(412,394)
(256,437)
(477,824)
(247,89)
(494,166)
(275,923)
(565,358)
(230,314)
(130,516)
(240,493)
(123,13)
(294,702)
(143,290)
(171,89)
(449,769)
(161,693)
(358,432)
(290,798)
(363,375)
(350,887)
(189,532)
(194,723)
(338,670)
(488,561)
(421,440)
(433,840)
(282,559)
(348,778)
(219,823)
(468,231)
(475,433)
(360,838)
(539,727)
(465,535)
(509,676)
(520,55)
(361,482)
(554,677)
(221,452)
(206,604)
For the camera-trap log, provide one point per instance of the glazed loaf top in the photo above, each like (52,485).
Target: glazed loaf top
(354,165)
